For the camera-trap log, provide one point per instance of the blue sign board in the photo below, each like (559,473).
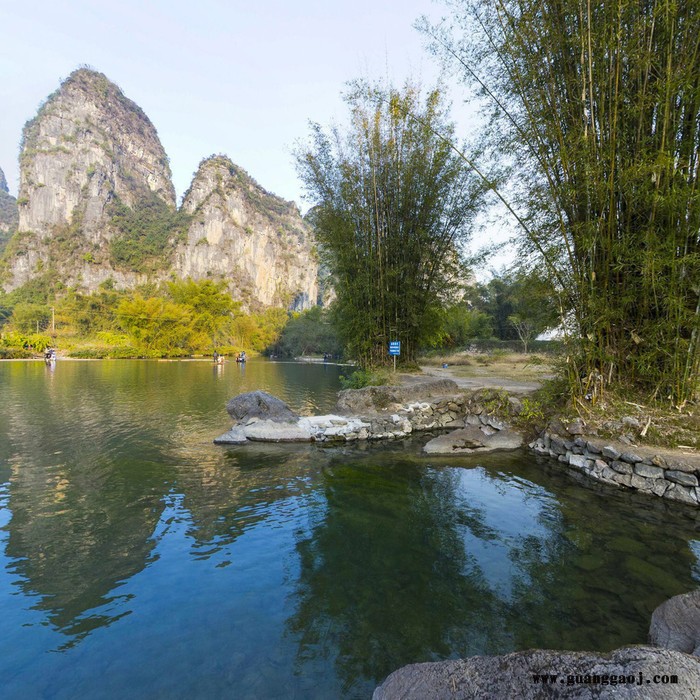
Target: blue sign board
(395,347)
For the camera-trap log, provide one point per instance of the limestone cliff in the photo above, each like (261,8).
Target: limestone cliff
(89,149)
(96,203)
(3,182)
(8,212)
(254,239)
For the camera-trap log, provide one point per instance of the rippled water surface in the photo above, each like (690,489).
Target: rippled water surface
(140,560)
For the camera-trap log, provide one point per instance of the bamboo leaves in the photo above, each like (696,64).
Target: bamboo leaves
(601,101)
(393,202)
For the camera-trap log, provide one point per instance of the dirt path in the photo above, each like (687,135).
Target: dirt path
(488,381)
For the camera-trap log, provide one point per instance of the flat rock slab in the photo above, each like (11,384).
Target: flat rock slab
(473,439)
(235,436)
(675,624)
(264,431)
(260,405)
(511,676)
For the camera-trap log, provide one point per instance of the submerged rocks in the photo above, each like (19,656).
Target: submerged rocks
(512,676)
(474,439)
(635,672)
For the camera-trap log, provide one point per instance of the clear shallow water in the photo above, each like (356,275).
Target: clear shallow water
(138,558)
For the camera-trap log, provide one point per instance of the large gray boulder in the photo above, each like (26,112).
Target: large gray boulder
(513,676)
(259,405)
(472,439)
(675,624)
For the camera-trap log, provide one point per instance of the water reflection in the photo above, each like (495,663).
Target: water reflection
(80,523)
(410,562)
(290,571)
(91,455)
(385,575)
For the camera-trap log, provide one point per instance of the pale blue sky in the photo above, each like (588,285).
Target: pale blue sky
(241,78)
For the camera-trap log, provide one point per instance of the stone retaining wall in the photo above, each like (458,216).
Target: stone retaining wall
(668,474)
(401,420)
(395,421)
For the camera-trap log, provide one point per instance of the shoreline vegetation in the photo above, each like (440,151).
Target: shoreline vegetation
(626,418)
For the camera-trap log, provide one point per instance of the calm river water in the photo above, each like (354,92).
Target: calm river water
(140,560)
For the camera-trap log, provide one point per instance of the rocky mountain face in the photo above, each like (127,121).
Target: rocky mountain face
(8,212)
(88,150)
(254,239)
(96,203)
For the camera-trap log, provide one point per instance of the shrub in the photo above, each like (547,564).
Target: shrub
(361,378)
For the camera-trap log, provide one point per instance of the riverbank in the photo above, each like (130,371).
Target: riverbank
(479,419)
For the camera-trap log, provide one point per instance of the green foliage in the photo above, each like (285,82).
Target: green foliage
(19,244)
(211,308)
(520,304)
(598,105)
(259,331)
(8,217)
(89,314)
(28,317)
(532,411)
(393,202)
(14,353)
(461,325)
(308,333)
(158,326)
(14,341)
(174,319)
(496,402)
(145,234)
(361,378)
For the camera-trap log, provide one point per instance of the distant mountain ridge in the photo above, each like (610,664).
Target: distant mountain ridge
(8,212)
(96,204)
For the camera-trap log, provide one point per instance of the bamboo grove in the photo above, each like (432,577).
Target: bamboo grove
(599,100)
(392,205)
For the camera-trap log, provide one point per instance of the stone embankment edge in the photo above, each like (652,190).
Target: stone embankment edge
(394,422)
(668,474)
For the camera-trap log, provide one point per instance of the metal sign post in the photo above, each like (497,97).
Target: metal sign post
(394,350)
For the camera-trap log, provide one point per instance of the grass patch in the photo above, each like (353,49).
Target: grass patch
(621,415)
(361,378)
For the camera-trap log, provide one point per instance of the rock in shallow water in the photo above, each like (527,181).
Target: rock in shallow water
(260,404)
(675,624)
(473,439)
(512,676)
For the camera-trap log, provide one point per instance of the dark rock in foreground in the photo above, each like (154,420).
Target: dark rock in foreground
(512,676)
(675,624)
(259,405)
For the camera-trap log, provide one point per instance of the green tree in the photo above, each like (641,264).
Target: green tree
(157,325)
(89,313)
(308,332)
(211,306)
(600,103)
(520,303)
(460,325)
(393,203)
(30,318)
